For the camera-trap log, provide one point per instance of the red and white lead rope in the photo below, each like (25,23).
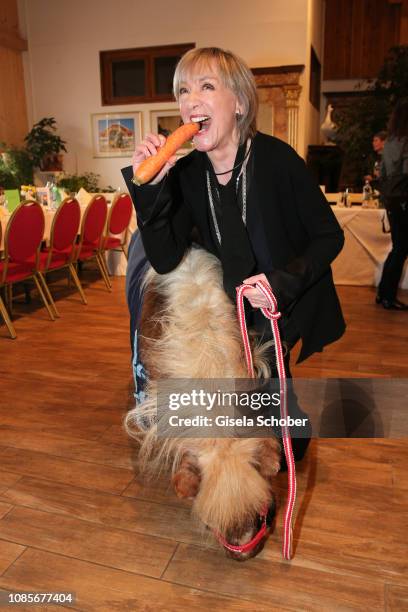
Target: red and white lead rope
(273,314)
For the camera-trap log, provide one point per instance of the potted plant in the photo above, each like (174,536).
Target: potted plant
(16,167)
(72,183)
(44,145)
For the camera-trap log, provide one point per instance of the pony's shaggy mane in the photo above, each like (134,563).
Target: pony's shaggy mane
(193,305)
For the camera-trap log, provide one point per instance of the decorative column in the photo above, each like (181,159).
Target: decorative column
(278,91)
(292,94)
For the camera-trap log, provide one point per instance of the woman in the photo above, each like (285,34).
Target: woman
(394,187)
(251,202)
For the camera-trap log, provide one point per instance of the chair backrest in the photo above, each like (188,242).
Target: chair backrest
(24,232)
(64,231)
(65,225)
(120,214)
(2,276)
(94,220)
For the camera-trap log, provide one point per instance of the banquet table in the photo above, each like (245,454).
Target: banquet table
(116,260)
(365,248)
(360,262)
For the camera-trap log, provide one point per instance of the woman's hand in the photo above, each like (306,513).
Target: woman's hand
(147,148)
(255,297)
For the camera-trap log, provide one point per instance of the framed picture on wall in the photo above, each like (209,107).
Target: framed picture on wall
(165,122)
(116,134)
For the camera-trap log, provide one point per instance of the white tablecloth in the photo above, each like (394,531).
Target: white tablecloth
(365,248)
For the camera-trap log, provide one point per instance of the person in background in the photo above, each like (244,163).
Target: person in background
(394,188)
(378,146)
(250,200)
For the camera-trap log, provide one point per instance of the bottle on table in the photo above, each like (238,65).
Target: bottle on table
(367,194)
(49,187)
(55,198)
(345,200)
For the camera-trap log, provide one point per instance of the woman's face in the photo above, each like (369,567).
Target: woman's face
(202,95)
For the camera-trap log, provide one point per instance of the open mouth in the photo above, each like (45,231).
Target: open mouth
(203,120)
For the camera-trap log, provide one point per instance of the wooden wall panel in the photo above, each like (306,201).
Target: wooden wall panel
(9,14)
(358,34)
(404,24)
(13,108)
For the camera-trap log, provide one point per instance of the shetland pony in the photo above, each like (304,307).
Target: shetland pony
(189,330)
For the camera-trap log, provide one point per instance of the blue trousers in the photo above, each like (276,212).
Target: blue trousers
(136,269)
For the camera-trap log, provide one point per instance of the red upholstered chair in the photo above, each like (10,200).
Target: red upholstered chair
(22,241)
(92,232)
(3,309)
(119,218)
(62,250)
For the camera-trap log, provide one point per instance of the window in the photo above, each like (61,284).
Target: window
(130,76)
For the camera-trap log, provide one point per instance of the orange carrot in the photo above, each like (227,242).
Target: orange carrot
(152,165)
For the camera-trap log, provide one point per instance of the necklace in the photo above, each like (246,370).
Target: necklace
(244,195)
(237,166)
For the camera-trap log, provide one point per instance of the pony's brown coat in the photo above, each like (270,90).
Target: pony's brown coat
(189,330)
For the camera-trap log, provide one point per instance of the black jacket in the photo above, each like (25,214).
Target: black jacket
(302,233)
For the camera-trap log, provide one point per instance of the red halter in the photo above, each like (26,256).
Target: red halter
(252,543)
(273,314)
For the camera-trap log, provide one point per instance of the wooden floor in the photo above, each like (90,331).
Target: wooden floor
(74,516)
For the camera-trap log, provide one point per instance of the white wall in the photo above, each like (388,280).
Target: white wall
(65,37)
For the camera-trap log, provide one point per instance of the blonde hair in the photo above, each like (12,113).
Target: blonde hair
(234,74)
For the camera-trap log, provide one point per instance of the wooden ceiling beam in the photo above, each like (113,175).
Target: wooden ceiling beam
(403,35)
